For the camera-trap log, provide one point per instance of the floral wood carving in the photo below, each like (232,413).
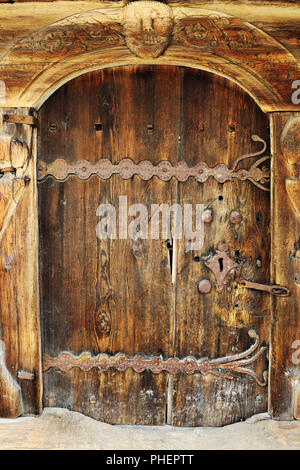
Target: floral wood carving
(65,39)
(215,31)
(147,28)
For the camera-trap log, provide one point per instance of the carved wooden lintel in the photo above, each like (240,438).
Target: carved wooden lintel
(147,30)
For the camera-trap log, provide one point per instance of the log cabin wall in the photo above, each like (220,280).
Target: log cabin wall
(43,45)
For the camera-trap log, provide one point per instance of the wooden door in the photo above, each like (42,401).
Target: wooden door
(114,310)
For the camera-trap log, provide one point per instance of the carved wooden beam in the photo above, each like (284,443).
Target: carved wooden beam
(35,64)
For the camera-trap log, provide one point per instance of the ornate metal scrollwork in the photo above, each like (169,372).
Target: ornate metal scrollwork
(221,367)
(126,168)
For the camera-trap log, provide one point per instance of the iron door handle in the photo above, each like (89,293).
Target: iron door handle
(279,291)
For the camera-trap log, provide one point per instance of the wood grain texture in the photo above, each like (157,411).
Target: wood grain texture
(115,276)
(218,120)
(115,296)
(10,392)
(19,306)
(285,265)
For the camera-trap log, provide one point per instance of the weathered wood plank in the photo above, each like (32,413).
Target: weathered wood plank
(285,265)
(19,306)
(218,119)
(107,295)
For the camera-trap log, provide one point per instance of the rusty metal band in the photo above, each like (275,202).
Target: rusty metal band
(126,168)
(221,367)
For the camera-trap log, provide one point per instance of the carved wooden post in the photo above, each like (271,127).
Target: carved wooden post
(285,267)
(20,376)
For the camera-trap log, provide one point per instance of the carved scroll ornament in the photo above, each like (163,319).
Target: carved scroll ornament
(147,28)
(185,35)
(221,367)
(216,31)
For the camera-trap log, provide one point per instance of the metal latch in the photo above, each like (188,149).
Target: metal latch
(280,291)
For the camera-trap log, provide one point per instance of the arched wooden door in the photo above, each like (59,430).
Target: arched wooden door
(114,310)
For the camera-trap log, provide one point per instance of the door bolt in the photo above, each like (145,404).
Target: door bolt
(279,291)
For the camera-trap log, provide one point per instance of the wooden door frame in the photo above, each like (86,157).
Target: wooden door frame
(257,74)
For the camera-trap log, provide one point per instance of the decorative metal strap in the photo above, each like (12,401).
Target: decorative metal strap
(85,361)
(126,168)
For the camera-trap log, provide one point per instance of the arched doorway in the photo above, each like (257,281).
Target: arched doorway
(140,300)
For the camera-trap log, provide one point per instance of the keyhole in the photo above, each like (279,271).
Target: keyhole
(221,264)
(169,244)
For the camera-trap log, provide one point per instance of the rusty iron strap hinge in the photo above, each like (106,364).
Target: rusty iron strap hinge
(21,119)
(164,170)
(220,367)
(279,291)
